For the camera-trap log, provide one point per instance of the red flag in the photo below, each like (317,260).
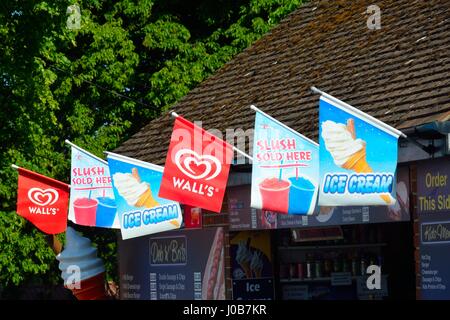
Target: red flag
(43,201)
(197,167)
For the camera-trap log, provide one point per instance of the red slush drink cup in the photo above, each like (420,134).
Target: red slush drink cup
(85,210)
(275,194)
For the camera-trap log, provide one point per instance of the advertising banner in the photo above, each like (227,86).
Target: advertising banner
(42,201)
(358,157)
(433,206)
(242,217)
(285,168)
(176,265)
(141,211)
(197,167)
(251,265)
(91,196)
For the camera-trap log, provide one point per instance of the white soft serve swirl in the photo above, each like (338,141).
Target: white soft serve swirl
(243,254)
(129,188)
(339,141)
(257,262)
(79,252)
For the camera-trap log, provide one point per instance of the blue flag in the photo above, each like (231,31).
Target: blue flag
(136,186)
(358,156)
(285,168)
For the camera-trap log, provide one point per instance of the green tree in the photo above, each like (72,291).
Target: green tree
(96,85)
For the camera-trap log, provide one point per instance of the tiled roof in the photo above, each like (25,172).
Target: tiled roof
(399,74)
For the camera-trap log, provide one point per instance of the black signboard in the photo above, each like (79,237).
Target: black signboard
(168,251)
(433,204)
(185,264)
(251,265)
(253,289)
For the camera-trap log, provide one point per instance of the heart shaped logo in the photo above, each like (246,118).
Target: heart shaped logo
(197,167)
(43,198)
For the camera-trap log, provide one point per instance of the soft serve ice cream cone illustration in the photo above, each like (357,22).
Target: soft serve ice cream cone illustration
(244,257)
(347,151)
(82,271)
(257,264)
(133,190)
(136,193)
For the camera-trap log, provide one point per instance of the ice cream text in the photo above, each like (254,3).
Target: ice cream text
(155,215)
(358,183)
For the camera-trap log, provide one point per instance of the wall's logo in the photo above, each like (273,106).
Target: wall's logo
(42,197)
(197,167)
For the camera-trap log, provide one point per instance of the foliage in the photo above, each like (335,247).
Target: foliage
(97,85)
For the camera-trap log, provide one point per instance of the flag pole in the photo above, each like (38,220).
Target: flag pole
(54,243)
(175,115)
(348,108)
(86,152)
(315,90)
(51,239)
(254,108)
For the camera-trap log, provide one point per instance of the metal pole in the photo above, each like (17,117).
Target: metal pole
(360,113)
(175,115)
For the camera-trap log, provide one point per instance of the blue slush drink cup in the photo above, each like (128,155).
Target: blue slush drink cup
(106,212)
(300,195)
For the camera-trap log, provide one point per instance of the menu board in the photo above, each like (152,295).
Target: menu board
(177,265)
(242,217)
(251,265)
(433,207)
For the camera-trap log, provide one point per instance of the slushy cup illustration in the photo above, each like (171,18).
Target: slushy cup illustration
(347,151)
(80,255)
(275,194)
(106,212)
(133,190)
(301,194)
(85,211)
(279,153)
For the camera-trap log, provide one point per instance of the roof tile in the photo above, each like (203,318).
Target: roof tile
(399,74)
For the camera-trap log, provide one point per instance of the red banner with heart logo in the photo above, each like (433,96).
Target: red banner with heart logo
(197,167)
(42,201)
